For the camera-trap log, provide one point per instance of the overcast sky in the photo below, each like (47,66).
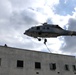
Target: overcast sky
(18,15)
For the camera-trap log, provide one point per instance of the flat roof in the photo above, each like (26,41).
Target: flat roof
(35,51)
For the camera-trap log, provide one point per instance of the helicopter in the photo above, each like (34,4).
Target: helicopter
(48,30)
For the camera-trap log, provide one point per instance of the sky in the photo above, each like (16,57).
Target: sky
(16,16)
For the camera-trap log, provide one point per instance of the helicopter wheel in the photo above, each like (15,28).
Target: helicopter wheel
(45,40)
(39,39)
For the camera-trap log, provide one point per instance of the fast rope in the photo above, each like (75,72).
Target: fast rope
(47,47)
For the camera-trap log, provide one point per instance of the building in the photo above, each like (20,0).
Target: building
(15,61)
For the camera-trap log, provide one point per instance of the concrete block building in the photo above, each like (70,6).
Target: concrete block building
(14,61)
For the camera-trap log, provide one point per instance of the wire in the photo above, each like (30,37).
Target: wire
(47,47)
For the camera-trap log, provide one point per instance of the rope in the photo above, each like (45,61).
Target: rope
(44,44)
(47,48)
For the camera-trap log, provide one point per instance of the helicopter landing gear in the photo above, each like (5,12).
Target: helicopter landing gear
(45,40)
(39,39)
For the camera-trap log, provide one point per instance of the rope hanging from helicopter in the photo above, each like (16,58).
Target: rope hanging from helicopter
(47,46)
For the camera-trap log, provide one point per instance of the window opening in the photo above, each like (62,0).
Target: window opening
(0,61)
(37,65)
(38,28)
(66,67)
(19,63)
(52,66)
(74,67)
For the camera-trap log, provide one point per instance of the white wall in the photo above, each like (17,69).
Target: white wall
(9,57)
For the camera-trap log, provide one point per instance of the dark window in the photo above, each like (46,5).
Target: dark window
(66,67)
(74,67)
(0,61)
(52,66)
(37,65)
(38,28)
(47,27)
(19,63)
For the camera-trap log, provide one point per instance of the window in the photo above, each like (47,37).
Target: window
(66,67)
(47,27)
(0,61)
(74,67)
(19,63)
(52,66)
(38,28)
(37,65)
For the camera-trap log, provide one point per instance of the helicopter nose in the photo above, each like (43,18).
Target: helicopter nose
(26,32)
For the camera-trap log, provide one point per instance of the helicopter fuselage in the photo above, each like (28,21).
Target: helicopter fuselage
(47,31)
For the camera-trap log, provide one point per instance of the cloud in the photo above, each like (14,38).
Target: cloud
(13,23)
(69,45)
(65,7)
(5,9)
(23,18)
(18,15)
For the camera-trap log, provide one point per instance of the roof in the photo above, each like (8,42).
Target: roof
(12,48)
